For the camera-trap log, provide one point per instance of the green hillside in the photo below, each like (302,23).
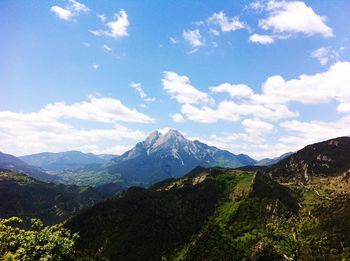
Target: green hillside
(25,197)
(220,214)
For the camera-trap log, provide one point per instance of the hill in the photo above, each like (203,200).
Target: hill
(25,197)
(69,160)
(13,163)
(183,217)
(270,162)
(324,159)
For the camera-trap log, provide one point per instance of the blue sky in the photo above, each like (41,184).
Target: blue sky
(258,77)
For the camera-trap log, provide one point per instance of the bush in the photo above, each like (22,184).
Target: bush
(36,242)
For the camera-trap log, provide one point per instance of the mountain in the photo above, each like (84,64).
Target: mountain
(197,217)
(69,160)
(26,197)
(269,162)
(324,159)
(13,163)
(167,155)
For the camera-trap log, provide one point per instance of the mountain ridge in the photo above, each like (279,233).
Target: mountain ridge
(10,162)
(167,155)
(67,160)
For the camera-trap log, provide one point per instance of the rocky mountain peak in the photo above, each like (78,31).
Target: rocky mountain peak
(172,138)
(151,138)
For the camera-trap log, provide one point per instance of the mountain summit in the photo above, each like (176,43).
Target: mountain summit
(168,155)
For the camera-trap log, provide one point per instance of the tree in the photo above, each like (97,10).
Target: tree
(38,242)
(298,237)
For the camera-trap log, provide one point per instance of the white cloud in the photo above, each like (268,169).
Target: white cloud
(231,111)
(117,28)
(261,39)
(96,32)
(177,117)
(47,130)
(106,48)
(308,89)
(344,107)
(327,55)
(208,115)
(173,40)
(213,31)
(73,9)
(249,143)
(138,87)
(193,37)
(234,90)
(257,6)
(289,17)
(257,127)
(102,109)
(62,13)
(95,66)
(321,54)
(102,17)
(304,133)
(180,88)
(226,24)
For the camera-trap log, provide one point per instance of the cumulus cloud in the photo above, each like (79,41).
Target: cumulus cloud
(179,87)
(327,55)
(261,39)
(231,111)
(304,133)
(234,90)
(225,23)
(257,127)
(47,129)
(290,17)
(117,28)
(107,110)
(177,117)
(72,9)
(344,107)
(194,38)
(309,89)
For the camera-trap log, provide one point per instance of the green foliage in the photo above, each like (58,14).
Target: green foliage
(26,197)
(298,237)
(150,224)
(89,178)
(38,242)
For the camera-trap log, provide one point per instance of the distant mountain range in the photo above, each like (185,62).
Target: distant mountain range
(168,155)
(158,157)
(13,163)
(69,160)
(269,162)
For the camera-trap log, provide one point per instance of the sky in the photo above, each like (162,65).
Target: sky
(255,77)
